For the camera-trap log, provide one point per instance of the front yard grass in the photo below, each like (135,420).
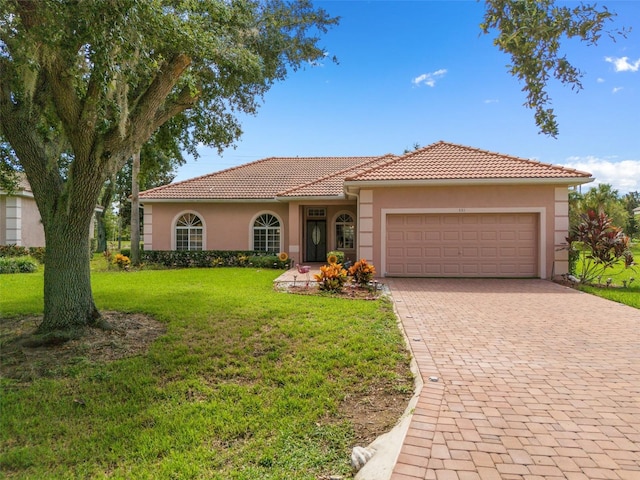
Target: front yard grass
(619,275)
(246,383)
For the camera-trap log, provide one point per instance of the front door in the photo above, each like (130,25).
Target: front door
(316,241)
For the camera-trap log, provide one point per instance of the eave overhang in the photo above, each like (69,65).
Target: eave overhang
(352,187)
(309,198)
(207,200)
(283,199)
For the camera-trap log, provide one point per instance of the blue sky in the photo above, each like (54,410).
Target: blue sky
(420,71)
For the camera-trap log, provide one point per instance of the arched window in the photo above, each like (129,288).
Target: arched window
(345,232)
(189,232)
(266,233)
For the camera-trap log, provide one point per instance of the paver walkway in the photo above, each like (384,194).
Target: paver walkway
(534,381)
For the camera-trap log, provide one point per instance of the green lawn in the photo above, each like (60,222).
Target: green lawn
(247,383)
(617,291)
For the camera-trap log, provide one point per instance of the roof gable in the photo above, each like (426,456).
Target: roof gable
(448,161)
(332,184)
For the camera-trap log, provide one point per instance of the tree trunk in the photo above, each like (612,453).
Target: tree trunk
(68,300)
(135,210)
(105,203)
(101,232)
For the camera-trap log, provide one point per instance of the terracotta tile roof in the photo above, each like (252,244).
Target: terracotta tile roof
(447,161)
(262,179)
(325,176)
(333,184)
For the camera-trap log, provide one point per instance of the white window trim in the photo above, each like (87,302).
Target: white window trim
(253,221)
(334,224)
(174,224)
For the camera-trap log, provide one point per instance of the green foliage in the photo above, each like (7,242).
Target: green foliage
(631,201)
(247,383)
(211,258)
(600,244)
(17,251)
(531,33)
(604,198)
(18,265)
(85,85)
(335,256)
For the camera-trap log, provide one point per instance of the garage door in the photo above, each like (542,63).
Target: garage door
(462,245)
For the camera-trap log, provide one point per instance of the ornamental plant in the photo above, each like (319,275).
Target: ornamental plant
(335,256)
(600,244)
(331,278)
(122,261)
(362,272)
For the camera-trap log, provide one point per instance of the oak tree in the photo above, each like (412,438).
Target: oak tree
(83,85)
(532,33)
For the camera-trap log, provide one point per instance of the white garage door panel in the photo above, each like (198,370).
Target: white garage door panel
(462,245)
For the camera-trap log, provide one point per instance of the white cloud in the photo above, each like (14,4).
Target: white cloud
(491,100)
(600,80)
(622,64)
(429,79)
(616,89)
(623,175)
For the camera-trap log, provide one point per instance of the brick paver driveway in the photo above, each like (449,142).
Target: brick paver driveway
(534,380)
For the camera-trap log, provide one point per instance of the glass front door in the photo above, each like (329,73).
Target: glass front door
(316,240)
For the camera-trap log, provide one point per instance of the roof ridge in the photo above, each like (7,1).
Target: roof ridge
(206,175)
(329,175)
(513,157)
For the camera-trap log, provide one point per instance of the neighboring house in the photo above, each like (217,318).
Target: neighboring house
(444,210)
(20,222)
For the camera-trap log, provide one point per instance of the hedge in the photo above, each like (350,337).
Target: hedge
(211,258)
(12,251)
(17,265)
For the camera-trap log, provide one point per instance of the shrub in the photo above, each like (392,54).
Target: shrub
(122,261)
(600,243)
(362,272)
(331,277)
(17,265)
(335,256)
(13,251)
(211,258)
(265,261)
(37,253)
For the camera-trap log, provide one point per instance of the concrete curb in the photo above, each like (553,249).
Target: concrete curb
(388,445)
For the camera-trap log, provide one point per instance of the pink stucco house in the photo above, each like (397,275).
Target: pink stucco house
(444,210)
(20,222)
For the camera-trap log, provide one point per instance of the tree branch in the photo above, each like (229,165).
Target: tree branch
(154,98)
(149,111)
(184,101)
